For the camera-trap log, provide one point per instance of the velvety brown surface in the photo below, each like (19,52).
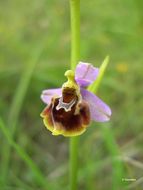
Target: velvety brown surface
(68,94)
(68,121)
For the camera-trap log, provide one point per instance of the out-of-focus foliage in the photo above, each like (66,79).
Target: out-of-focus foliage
(109,153)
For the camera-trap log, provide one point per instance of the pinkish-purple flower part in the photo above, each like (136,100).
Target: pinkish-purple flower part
(85,74)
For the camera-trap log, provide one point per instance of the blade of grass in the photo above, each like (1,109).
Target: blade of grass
(118,169)
(108,135)
(94,87)
(39,178)
(17,105)
(21,184)
(22,89)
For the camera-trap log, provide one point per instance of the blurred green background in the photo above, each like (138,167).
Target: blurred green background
(34,54)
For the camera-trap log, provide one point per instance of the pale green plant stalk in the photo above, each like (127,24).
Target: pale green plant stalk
(75,32)
(75,57)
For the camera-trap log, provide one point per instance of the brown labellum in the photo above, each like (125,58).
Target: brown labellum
(68,115)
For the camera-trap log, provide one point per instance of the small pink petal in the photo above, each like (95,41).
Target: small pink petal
(85,74)
(47,95)
(99,110)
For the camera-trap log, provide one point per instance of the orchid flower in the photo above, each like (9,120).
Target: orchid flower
(70,109)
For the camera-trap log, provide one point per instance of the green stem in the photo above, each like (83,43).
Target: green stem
(75,56)
(74,141)
(75,32)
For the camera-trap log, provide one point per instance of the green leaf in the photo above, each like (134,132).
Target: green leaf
(94,87)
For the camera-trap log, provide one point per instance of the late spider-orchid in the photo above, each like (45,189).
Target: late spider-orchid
(70,109)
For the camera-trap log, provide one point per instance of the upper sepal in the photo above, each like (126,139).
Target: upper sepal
(85,74)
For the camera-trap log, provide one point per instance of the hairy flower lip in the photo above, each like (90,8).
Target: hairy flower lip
(67,123)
